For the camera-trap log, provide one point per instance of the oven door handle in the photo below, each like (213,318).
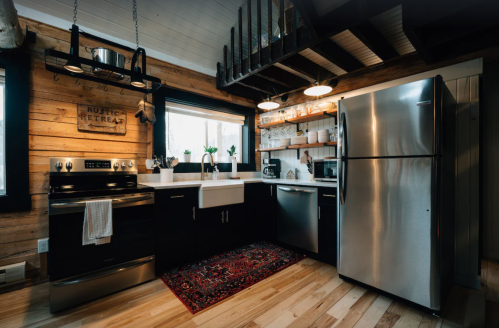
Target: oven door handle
(114,201)
(103,274)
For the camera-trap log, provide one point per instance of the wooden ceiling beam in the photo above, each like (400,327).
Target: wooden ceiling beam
(372,38)
(307,67)
(435,27)
(264,85)
(278,75)
(335,54)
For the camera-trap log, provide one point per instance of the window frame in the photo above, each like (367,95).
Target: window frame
(186,98)
(206,121)
(17,66)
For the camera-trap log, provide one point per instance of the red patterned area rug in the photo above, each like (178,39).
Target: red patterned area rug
(202,284)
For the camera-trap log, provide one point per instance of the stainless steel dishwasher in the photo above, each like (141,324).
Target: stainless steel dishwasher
(297,217)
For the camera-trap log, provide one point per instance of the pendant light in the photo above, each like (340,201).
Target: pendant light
(268,104)
(73,64)
(318,90)
(136,78)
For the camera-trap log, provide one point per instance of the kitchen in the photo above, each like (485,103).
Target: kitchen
(248,186)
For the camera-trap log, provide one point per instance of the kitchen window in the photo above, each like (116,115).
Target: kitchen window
(191,128)
(14,131)
(2,131)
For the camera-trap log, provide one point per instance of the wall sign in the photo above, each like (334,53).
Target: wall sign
(101,119)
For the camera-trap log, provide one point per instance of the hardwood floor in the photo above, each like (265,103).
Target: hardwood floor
(307,294)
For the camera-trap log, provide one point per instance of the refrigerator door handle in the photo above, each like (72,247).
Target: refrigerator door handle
(423,103)
(342,185)
(343,135)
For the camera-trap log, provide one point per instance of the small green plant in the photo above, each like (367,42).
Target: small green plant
(232,151)
(187,152)
(210,149)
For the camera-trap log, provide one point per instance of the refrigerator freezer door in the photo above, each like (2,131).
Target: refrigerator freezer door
(385,227)
(394,122)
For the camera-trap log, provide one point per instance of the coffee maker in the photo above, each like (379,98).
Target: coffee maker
(271,168)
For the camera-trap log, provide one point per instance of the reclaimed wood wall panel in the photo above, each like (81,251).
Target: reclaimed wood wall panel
(53,132)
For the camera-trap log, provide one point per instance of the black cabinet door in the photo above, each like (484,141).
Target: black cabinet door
(269,215)
(256,200)
(235,227)
(175,236)
(175,229)
(327,233)
(210,231)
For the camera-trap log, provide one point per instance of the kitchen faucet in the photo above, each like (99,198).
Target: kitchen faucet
(202,164)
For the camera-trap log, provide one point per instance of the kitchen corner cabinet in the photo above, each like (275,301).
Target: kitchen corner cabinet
(328,225)
(175,226)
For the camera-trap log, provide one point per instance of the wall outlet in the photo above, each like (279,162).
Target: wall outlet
(43,245)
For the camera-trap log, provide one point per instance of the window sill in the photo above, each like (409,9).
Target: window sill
(222,167)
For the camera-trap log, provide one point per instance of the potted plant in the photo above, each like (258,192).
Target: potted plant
(232,158)
(211,150)
(187,156)
(232,152)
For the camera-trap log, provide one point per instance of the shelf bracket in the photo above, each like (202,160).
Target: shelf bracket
(298,154)
(328,114)
(286,121)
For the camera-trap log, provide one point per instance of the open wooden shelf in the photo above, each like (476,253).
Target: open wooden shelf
(302,119)
(304,146)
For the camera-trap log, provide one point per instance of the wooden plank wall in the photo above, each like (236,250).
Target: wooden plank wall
(53,132)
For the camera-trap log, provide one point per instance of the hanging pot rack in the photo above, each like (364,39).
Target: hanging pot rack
(71,64)
(55,61)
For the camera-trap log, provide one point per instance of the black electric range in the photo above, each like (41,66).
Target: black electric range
(79,273)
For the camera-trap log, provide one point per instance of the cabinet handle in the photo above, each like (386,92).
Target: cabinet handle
(180,196)
(222,216)
(227,217)
(271,191)
(325,195)
(194,213)
(319,212)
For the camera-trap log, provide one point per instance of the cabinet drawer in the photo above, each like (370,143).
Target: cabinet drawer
(327,196)
(177,197)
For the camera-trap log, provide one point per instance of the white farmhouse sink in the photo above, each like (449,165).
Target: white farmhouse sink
(220,193)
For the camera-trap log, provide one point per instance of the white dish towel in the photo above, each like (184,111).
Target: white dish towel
(98,222)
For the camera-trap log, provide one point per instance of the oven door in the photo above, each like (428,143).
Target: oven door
(326,170)
(133,234)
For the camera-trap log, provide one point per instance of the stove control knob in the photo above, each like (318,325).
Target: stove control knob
(130,165)
(123,165)
(69,166)
(116,165)
(58,165)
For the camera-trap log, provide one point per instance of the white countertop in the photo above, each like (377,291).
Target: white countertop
(210,183)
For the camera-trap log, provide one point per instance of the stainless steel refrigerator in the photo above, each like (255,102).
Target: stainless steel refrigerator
(396,190)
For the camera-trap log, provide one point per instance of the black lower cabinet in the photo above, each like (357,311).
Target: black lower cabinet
(327,234)
(221,228)
(183,232)
(210,231)
(260,208)
(175,227)
(328,225)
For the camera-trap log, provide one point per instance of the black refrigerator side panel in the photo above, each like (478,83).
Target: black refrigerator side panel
(446,166)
